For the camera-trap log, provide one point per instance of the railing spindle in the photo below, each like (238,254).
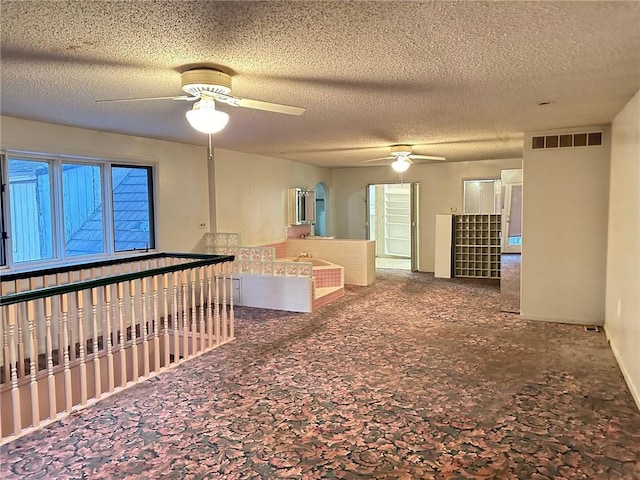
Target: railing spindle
(193,311)
(203,334)
(175,278)
(225,318)
(134,334)
(15,392)
(216,305)
(68,398)
(156,324)
(33,365)
(123,354)
(207,270)
(5,348)
(106,321)
(185,313)
(51,379)
(145,322)
(232,318)
(165,319)
(82,344)
(21,313)
(97,371)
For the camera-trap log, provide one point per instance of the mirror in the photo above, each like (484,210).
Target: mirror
(302,206)
(511,244)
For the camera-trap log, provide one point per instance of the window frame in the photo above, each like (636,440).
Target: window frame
(59,256)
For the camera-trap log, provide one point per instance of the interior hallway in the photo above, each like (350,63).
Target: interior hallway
(410,378)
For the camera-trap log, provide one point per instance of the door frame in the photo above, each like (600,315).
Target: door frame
(414,189)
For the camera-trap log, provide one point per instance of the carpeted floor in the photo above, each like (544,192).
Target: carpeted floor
(411,378)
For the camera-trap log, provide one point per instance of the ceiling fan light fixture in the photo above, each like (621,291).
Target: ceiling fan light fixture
(401,164)
(205,118)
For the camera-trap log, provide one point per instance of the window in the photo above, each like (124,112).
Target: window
(132,212)
(482,196)
(61,209)
(82,207)
(31,210)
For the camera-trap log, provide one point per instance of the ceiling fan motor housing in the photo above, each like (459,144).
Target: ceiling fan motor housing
(401,151)
(199,80)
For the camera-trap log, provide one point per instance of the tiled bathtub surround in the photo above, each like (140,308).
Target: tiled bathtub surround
(269,280)
(356,256)
(328,276)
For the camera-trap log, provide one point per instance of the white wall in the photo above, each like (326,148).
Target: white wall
(181,171)
(564,239)
(622,314)
(251,194)
(440,189)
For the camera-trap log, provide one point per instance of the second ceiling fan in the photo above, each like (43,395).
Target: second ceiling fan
(403,157)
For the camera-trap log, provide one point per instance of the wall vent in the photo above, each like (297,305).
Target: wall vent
(567,140)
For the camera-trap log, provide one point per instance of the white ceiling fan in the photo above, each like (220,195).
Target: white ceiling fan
(403,157)
(205,86)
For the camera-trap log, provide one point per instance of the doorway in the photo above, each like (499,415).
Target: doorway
(510,258)
(320,227)
(391,222)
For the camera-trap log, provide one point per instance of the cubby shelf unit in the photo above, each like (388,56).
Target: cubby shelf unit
(477,245)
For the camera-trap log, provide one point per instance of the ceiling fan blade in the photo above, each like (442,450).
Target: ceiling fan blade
(377,159)
(267,106)
(182,97)
(427,157)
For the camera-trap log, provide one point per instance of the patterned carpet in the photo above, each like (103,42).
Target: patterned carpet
(410,378)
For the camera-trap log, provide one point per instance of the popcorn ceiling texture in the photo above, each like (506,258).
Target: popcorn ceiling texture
(461,79)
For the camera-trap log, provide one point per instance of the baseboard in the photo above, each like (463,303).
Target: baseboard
(571,321)
(627,378)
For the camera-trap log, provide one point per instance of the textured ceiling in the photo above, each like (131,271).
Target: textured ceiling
(457,79)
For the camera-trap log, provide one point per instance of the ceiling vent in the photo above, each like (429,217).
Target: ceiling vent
(567,140)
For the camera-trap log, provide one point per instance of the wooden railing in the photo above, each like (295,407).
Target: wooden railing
(70,343)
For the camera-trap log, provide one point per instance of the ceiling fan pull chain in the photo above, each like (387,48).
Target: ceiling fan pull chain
(210,150)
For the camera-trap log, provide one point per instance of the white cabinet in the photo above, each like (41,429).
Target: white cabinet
(444,246)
